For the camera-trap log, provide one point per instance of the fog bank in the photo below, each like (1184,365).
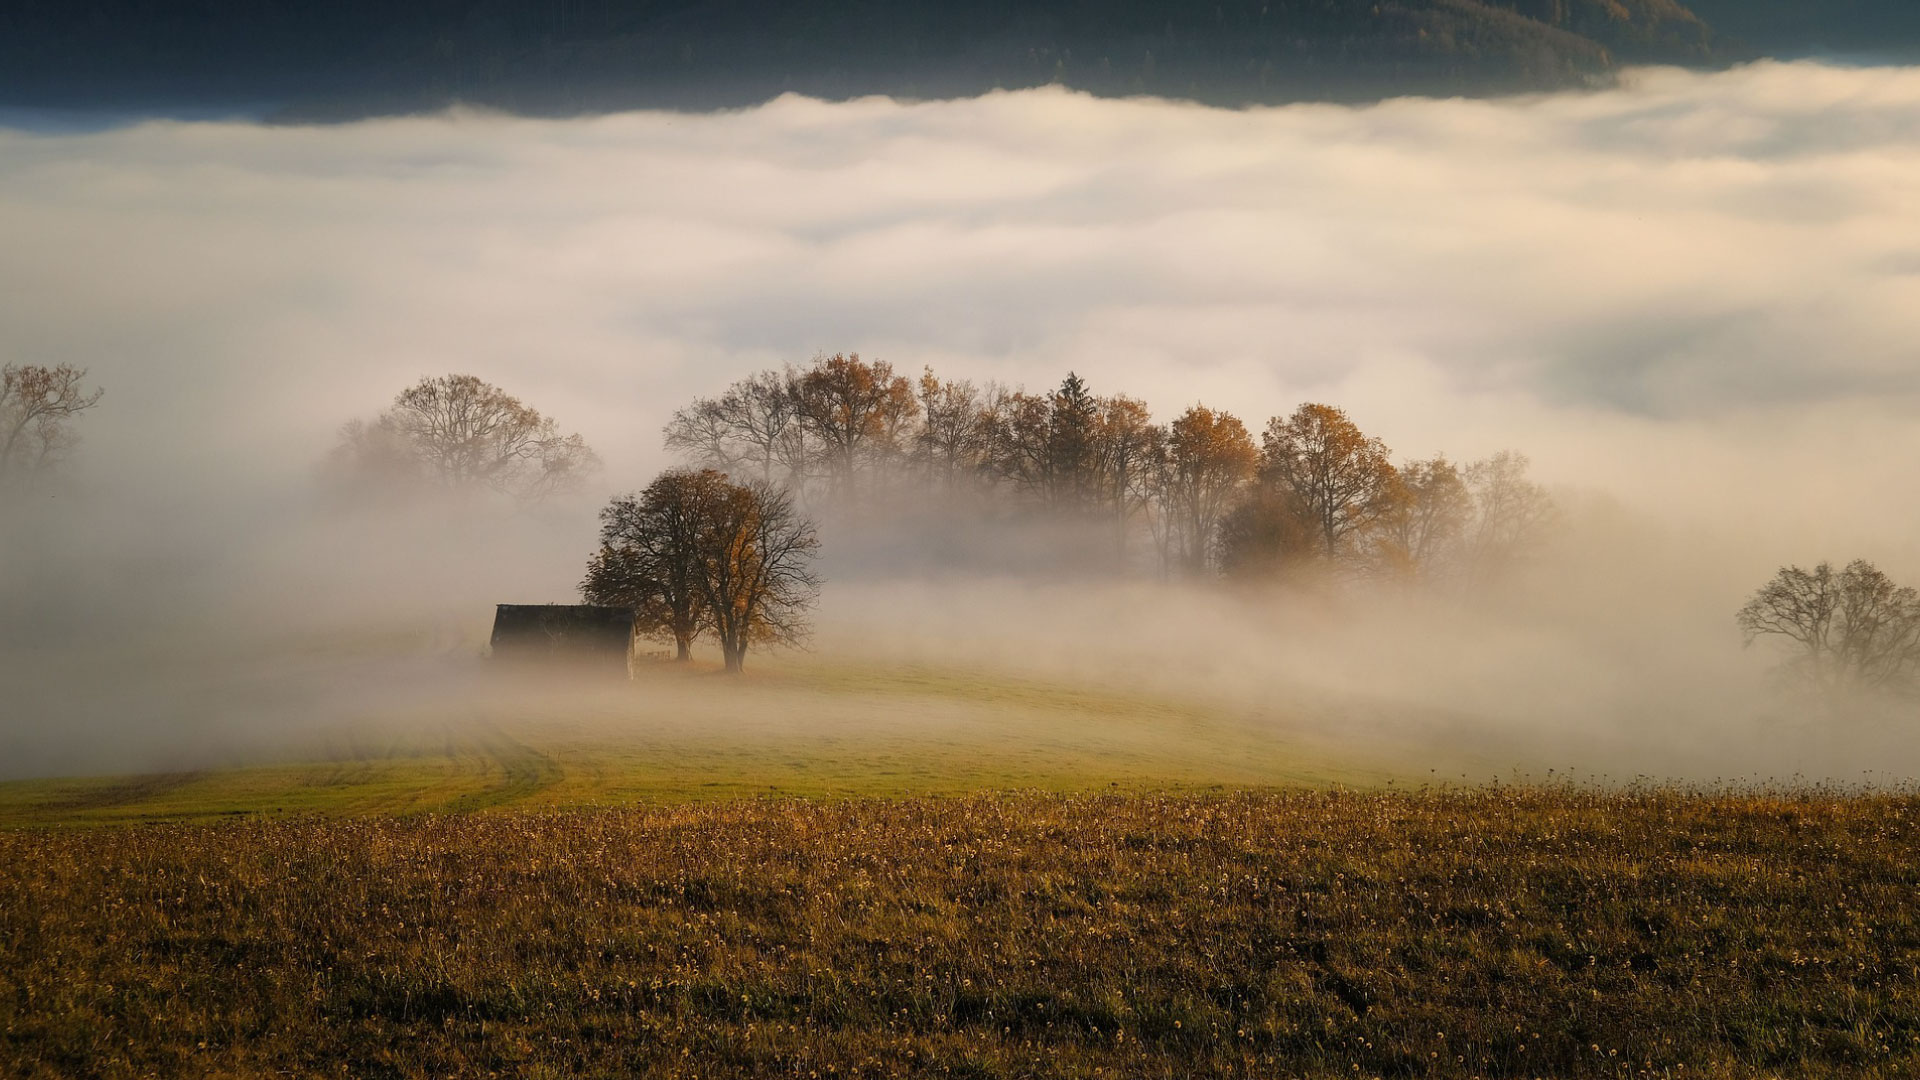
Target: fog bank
(1691,300)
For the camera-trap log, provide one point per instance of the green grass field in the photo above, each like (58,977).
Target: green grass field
(794,726)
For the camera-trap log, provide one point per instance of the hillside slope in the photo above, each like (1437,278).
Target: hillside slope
(361,56)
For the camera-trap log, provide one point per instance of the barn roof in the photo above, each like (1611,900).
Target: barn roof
(561,629)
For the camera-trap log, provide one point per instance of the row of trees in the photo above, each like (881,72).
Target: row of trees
(724,547)
(38,407)
(1198,492)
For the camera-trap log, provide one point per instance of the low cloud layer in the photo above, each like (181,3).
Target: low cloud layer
(1690,250)
(1691,298)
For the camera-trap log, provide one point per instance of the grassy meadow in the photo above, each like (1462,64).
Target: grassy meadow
(1464,933)
(793,726)
(835,871)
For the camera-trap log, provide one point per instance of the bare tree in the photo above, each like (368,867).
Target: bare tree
(955,431)
(463,434)
(765,411)
(1341,479)
(1511,516)
(1020,450)
(753,426)
(37,408)
(649,558)
(703,435)
(1852,630)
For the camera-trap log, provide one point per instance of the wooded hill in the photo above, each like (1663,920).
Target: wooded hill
(357,57)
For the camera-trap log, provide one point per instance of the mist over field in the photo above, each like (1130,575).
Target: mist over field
(1689,300)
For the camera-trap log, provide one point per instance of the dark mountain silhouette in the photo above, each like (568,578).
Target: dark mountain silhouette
(354,57)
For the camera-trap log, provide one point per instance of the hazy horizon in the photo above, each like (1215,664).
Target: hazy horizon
(1688,299)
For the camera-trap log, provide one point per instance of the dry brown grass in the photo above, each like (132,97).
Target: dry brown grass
(1476,933)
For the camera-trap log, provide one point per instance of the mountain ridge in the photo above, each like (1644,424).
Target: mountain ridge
(365,57)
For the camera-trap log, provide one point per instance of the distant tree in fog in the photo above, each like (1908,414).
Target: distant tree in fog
(1073,434)
(650,559)
(1209,460)
(1047,447)
(752,429)
(955,432)
(1266,533)
(1020,446)
(37,409)
(1340,479)
(704,434)
(1079,464)
(1129,445)
(461,434)
(1074,454)
(1851,630)
(373,461)
(1512,515)
(856,412)
(697,552)
(1423,519)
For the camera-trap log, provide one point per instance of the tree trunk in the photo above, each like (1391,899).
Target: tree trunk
(682,648)
(736,658)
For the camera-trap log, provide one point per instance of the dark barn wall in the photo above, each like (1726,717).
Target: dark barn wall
(600,637)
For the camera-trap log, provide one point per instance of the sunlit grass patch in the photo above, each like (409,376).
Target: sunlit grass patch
(799,726)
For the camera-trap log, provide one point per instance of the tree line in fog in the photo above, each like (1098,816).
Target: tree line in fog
(1196,494)
(724,545)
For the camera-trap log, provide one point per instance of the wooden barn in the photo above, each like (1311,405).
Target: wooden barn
(583,635)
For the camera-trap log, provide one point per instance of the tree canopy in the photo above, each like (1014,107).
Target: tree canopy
(1850,630)
(459,434)
(696,552)
(1115,486)
(38,406)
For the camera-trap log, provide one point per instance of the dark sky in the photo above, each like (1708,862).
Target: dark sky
(359,57)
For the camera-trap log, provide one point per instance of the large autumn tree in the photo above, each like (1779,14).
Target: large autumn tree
(1209,460)
(756,555)
(855,411)
(1341,480)
(696,552)
(649,558)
